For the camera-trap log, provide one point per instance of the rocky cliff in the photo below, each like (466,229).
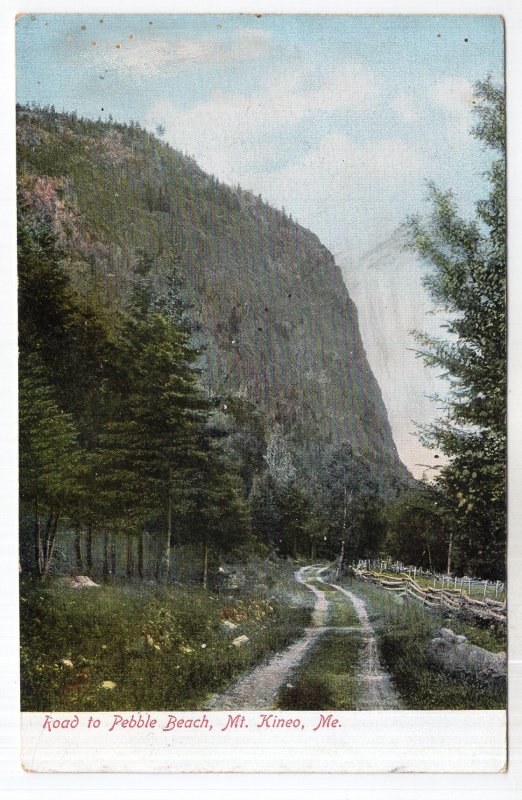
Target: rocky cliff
(273,311)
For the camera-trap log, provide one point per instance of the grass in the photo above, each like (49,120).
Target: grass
(146,647)
(326,680)
(403,631)
(341,613)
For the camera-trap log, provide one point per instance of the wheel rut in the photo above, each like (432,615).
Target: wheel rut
(258,689)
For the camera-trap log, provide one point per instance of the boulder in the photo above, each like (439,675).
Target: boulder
(229,626)
(81,582)
(456,657)
(240,640)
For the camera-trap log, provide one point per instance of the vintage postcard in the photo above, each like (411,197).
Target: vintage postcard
(262,392)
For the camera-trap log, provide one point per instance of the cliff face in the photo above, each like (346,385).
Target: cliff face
(274,313)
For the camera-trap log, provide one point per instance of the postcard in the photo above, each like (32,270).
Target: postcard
(262,392)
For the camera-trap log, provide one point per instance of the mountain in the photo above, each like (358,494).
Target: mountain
(271,308)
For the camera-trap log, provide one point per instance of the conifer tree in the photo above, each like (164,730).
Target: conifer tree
(466,278)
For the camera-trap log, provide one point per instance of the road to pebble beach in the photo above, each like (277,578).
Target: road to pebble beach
(258,689)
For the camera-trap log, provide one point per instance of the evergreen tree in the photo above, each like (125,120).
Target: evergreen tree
(149,447)
(49,459)
(467,280)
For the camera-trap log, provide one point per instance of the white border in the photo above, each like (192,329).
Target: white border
(336,786)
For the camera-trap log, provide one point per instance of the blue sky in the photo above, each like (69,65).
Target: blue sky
(340,119)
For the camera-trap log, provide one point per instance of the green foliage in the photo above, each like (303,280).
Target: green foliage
(49,452)
(417,528)
(160,648)
(114,425)
(467,280)
(351,502)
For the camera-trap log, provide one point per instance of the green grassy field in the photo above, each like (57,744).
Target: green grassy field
(147,647)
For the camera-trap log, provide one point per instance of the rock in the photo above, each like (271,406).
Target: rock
(81,582)
(447,634)
(229,626)
(240,640)
(455,656)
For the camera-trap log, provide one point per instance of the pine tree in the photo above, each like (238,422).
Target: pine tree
(150,444)
(467,280)
(49,459)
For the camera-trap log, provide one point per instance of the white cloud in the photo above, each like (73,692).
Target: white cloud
(454,95)
(406,105)
(340,165)
(228,133)
(146,58)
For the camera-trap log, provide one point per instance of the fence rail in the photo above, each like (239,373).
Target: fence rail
(463,583)
(433,598)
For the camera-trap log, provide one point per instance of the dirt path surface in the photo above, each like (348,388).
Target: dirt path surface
(258,689)
(376,688)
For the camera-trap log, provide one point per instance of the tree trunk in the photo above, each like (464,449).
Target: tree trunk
(106,547)
(450,546)
(113,556)
(141,554)
(130,557)
(341,559)
(343,539)
(205,564)
(78,550)
(313,554)
(88,547)
(37,542)
(52,540)
(165,555)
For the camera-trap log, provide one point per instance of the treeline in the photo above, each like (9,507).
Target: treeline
(119,438)
(115,432)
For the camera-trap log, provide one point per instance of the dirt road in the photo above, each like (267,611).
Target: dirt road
(376,690)
(258,689)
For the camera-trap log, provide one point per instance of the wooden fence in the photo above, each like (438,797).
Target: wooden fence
(445,599)
(463,583)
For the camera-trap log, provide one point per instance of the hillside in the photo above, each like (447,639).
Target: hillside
(272,310)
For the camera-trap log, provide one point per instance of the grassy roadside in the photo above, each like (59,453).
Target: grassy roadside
(403,631)
(147,647)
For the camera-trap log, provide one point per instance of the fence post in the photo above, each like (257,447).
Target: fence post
(496,590)
(485,588)
(469,587)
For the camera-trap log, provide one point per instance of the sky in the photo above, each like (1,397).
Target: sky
(341,120)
